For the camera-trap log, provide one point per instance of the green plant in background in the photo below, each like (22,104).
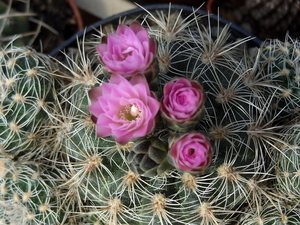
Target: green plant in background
(229,157)
(279,61)
(14,23)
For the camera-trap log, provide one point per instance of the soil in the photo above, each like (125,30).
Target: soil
(58,18)
(263,18)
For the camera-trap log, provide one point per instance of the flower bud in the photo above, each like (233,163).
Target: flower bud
(191,152)
(129,51)
(182,103)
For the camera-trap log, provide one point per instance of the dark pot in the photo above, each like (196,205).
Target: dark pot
(236,31)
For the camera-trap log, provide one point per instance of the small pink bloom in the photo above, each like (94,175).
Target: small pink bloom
(192,152)
(182,103)
(124,109)
(129,51)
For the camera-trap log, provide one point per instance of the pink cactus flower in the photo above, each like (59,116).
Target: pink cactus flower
(129,51)
(124,109)
(192,153)
(182,103)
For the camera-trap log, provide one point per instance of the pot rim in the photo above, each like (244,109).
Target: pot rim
(188,9)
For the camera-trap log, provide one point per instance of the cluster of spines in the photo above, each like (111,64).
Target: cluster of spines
(28,194)
(15,22)
(279,63)
(26,88)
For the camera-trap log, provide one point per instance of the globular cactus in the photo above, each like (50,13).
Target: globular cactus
(26,87)
(28,194)
(238,119)
(286,165)
(270,212)
(279,64)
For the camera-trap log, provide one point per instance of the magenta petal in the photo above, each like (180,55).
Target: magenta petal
(154,105)
(128,51)
(168,87)
(182,100)
(116,79)
(94,93)
(113,108)
(121,29)
(150,126)
(101,49)
(142,35)
(191,152)
(139,79)
(95,109)
(103,130)
(136,27)
(123,139)
(143,130)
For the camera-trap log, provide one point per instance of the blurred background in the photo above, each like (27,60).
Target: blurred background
(48,23)
(262,18)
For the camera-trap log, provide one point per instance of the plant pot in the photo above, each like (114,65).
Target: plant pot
(236,31)
(211,5)
(77,14)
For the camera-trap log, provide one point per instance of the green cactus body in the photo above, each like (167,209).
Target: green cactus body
(286,164)
(109,189)
(28,194)
(279,63)
(269,214)
(26,89)
(148,157)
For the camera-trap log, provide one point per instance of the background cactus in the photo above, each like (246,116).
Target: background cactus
(26,90)
(279,63)
(253,177)
(28,194)
(17,23)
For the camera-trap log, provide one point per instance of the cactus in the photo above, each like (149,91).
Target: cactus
(239,120)
(26,91)
(279,63)
(286,164)
(252,177)
(16,23)
(28,194)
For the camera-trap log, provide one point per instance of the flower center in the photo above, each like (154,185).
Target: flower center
(130,112)
(125,53)
(191,151)
(182,100)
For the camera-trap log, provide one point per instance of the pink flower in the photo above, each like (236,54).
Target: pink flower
(129,51)
(124,109)
(182,103)
(192,152)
